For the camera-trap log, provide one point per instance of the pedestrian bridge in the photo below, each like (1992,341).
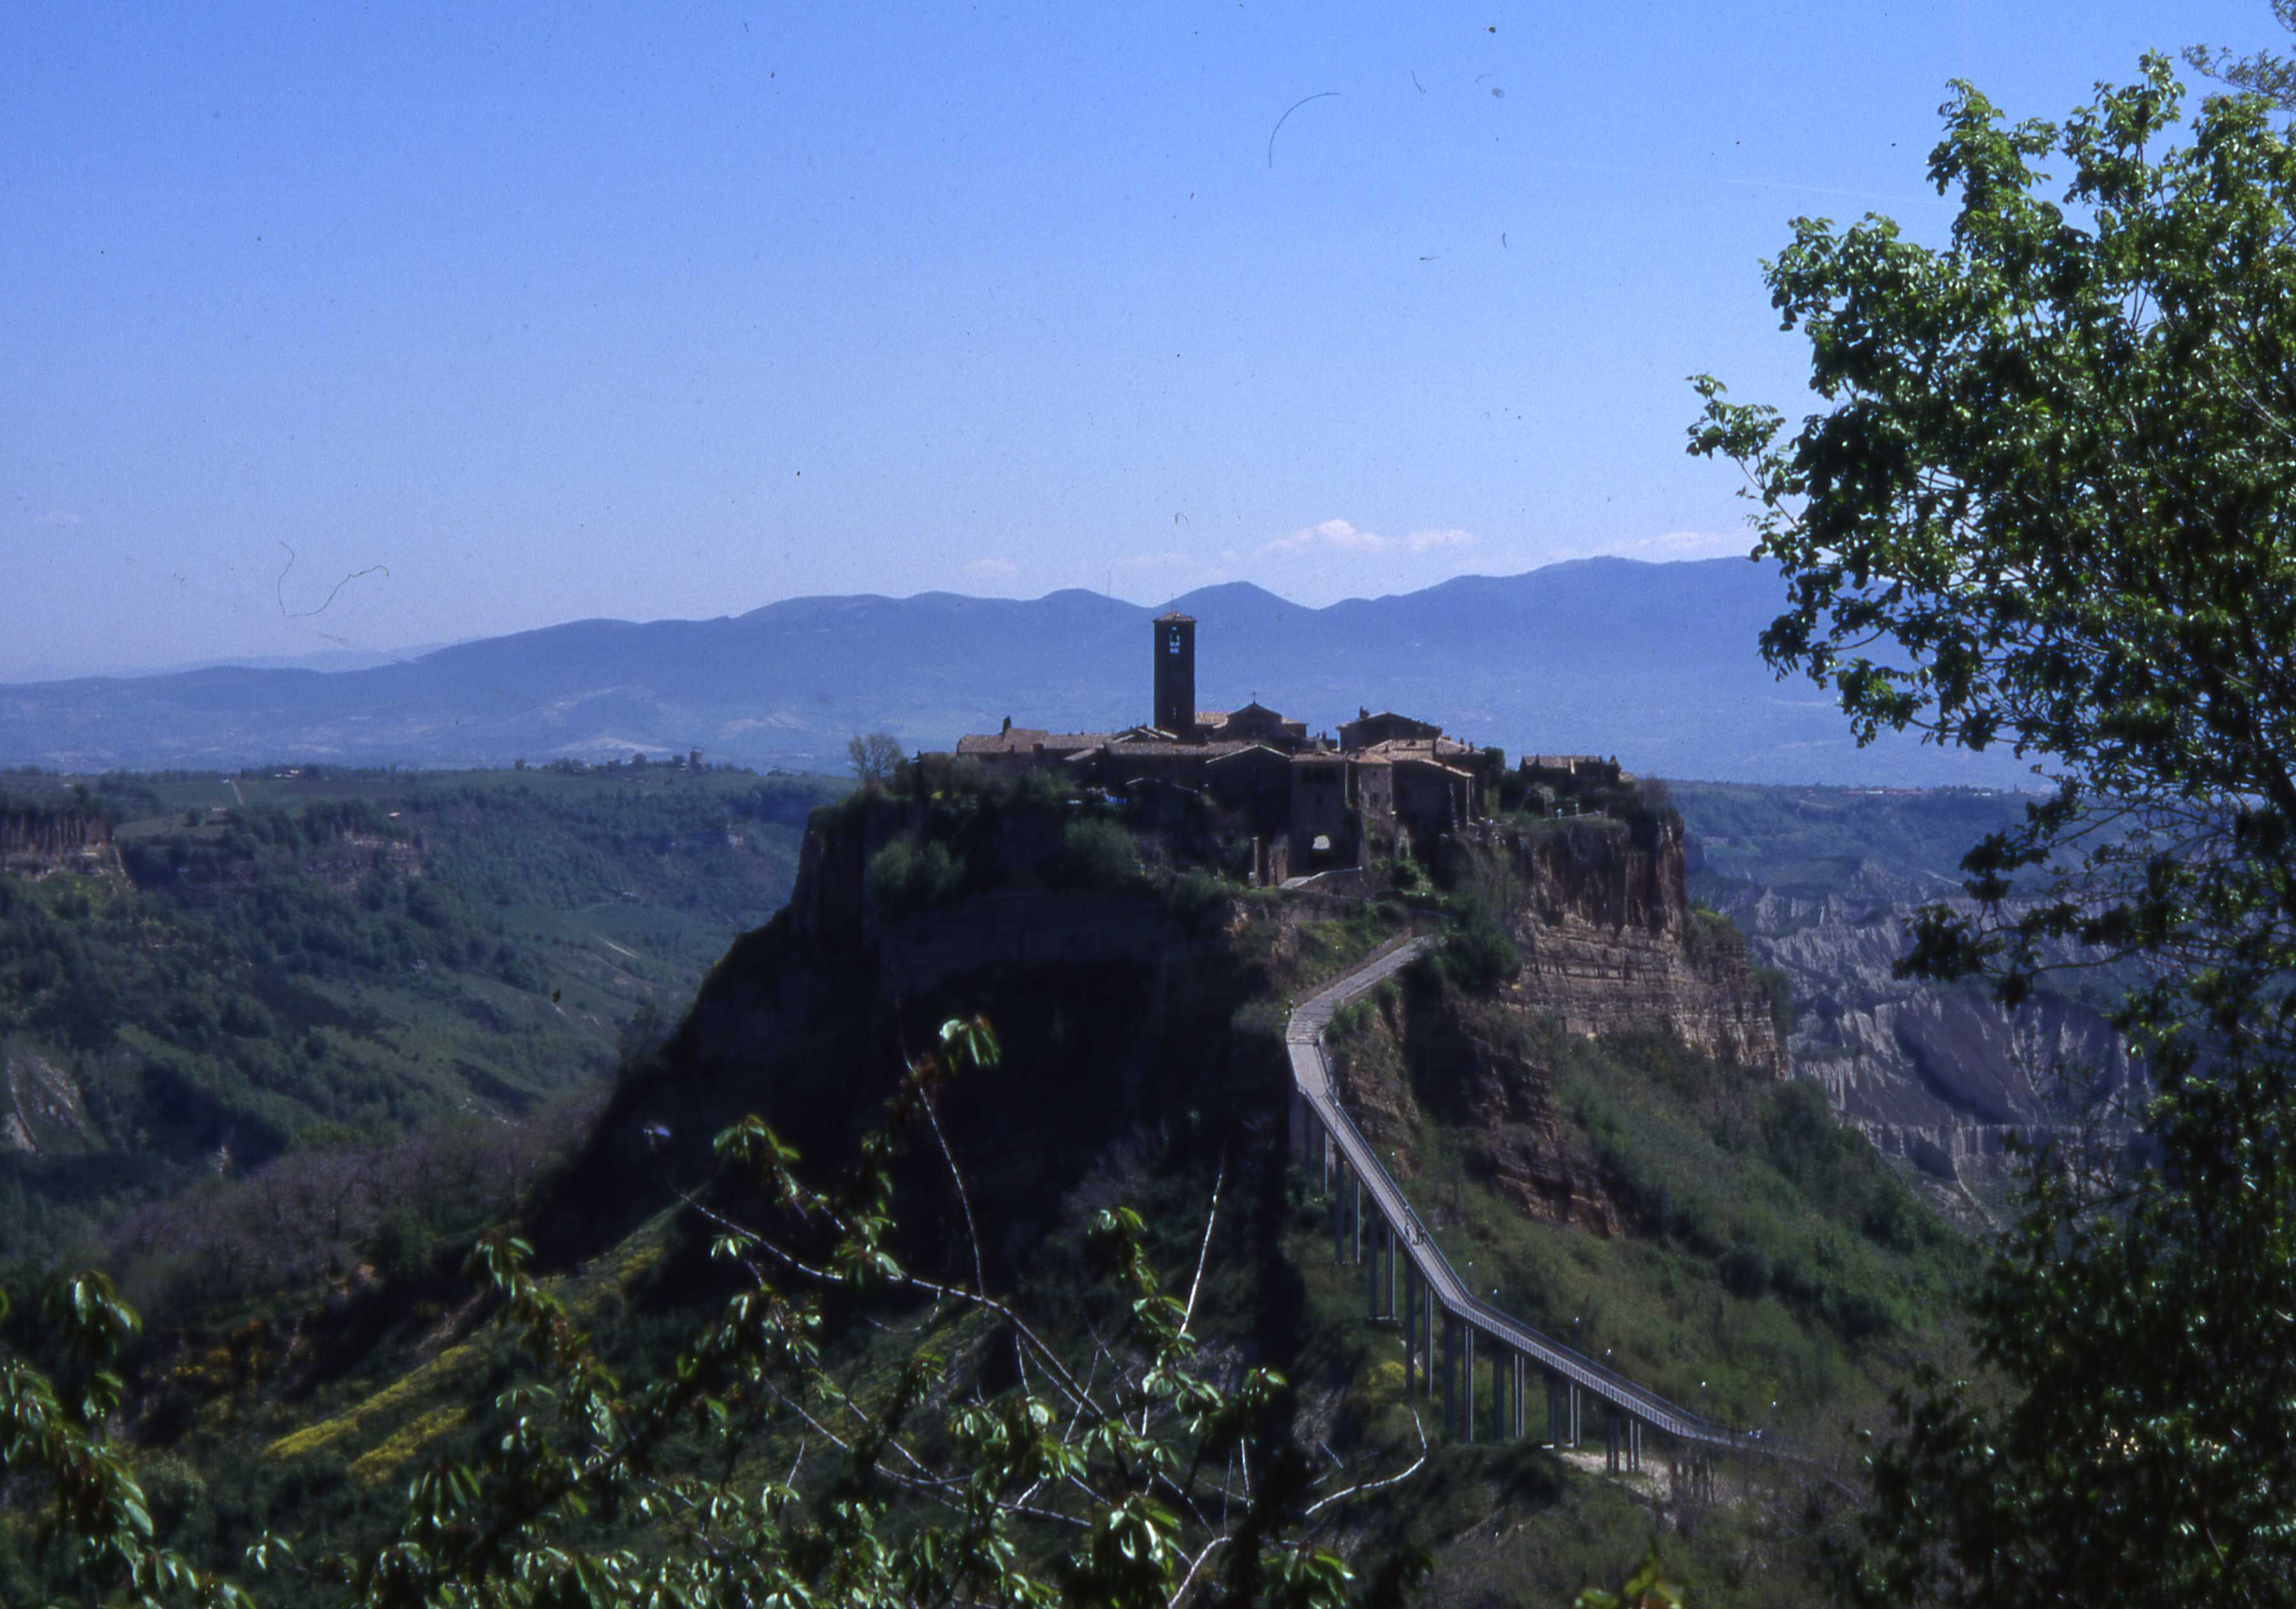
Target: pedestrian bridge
(1446,1329)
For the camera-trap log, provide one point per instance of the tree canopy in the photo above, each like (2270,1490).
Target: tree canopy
(2262,72)
(1125,1477)
(2049,501)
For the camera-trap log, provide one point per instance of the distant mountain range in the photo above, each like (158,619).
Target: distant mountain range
(1656,663)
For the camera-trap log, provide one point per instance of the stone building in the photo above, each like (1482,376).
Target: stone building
(1176,676)
(1018,748)
(1367,729)
(1391,783)
(1569,784)
(1573,771)
(1254,723)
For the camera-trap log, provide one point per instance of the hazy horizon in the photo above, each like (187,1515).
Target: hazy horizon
(335,659)
(349,331)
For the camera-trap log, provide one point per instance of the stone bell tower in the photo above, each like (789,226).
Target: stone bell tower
(1175,675)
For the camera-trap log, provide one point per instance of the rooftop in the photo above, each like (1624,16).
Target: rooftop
(1419,747)
(1153,747)
(1027,740)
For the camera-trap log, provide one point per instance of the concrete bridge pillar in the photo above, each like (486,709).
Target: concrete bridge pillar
(1388,1308)
(1611,1440)
(1357,1179)
(1450,1377)
(1370,1277)
(1521,1427)
(1558,1413)
(1467,1335)
(1339,1226)
(1502,1420)
(1427,1298)
(1410,1332)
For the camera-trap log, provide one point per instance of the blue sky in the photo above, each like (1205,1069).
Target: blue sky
(523,316)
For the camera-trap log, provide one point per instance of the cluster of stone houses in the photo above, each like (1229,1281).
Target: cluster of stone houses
(1386,783)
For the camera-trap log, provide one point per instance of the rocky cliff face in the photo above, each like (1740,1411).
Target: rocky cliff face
(1610,944)
(36,841)
(1471,1066)
(1115,1007)
(42,1109)
(347,859)
(1940,1076)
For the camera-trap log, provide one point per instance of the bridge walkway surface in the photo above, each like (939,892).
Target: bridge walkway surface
(1326,1136)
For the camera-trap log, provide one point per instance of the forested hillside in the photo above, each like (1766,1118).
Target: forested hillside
(200,972)
(1719,1237)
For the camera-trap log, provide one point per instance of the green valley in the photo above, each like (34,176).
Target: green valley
(201,972)
(1653,1191)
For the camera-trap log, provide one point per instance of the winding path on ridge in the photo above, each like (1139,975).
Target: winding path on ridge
(1318,1120)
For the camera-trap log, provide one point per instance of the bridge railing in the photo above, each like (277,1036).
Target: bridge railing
(1497,1323)
(1505,1327)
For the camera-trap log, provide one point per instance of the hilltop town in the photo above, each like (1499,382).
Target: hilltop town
(1387,784)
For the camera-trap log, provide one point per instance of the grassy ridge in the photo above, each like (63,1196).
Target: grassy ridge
(1769,1254)
(1770,1271)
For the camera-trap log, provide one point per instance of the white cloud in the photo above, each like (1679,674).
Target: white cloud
(1334,535)
(1225,568)
(995,568)
(1336,559)
(1424,541)
(1342,536)
(1671,546)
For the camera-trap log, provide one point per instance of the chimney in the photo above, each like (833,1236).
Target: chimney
(1008,723)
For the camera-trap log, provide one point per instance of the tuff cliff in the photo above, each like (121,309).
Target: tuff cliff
(35,839)
(1474,1067)
(1132,993)
(1610,944)
(1119,996)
